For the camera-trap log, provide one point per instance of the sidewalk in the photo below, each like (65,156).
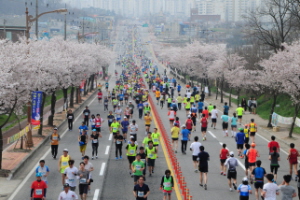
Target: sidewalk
(14,158)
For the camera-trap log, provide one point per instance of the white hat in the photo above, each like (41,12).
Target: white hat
(131,136)
(125,117)
(245,179)
(66,150)
(231,153)
(189,116)
(183,125)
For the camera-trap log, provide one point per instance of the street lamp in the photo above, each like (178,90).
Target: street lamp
(29,20)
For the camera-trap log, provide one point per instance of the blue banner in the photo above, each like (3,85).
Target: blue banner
(37,97)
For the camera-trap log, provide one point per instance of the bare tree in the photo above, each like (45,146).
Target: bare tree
(272,24)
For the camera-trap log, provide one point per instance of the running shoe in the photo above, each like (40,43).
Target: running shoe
(92,158)
(196,171)
(205,187)
(201,185)
(117,158)
(230,189)
(120,157)
(234,186)
(222,173)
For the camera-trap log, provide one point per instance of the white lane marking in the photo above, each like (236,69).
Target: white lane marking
(221,143)
(102,169)
(212,134)
(42,158)
(107,150)
(110,137)
(96,194)
(263,138)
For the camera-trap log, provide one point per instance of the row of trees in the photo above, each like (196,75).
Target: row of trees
(45,66)
(278,74)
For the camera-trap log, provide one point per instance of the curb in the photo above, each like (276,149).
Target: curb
(42,144)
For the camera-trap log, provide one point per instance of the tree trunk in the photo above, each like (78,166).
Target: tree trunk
(238,96)
(208,87)
(72,98)
(217,89)
(92,83)
(52,109)
(65,92)
(40,132)
(222,88)
(77,94)
(85,88)
(230,97)
(297,108)
(1,147)
(272,110)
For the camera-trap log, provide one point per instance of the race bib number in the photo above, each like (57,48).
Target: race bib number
(70,117)
(155,140)
(83,180)
(38,191)
(119,142)
(95,141)
(71,180)
(140,107)
(140,194)
(105,103)
(86,113)
(138,167)
(143,160)
(150,155)
(131,152)
(115,129)
(110,120)
(167,184)
(54,137)
(64,163)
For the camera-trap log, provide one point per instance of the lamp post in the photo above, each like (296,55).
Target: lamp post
(29,20)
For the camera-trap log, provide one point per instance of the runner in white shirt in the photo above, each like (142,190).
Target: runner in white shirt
(133,128)
(70,174)
(214,116)
(88,167)
(195,147)
(44,170)
(67,194)
(188,94)
(118,113)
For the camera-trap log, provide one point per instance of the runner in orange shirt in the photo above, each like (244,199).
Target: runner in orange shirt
(157,95)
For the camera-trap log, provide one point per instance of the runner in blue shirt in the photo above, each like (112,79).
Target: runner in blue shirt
(83,127)
(240,140)
(244,189)
(141,108)
(200,108)
(121,97)
(185,133)
(225,119)
(178,88)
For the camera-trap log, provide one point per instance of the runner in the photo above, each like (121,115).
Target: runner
(126,96)
(106,86)
(225,119)
(240,140)
(83,140)
(258,174)
(131,153)
(148,120)
(205,112)
(189,123)
(141,190)
(185,135)
(195,148)
(84,179)
(272,144)
(270,189)
(63,163)
(157,96)
(204,124)
(231,164)
(224,153)
(253,130)
(88,167)
(147,108)
(38,188)
(124,125)
(70,175)
(200,108)
(174,134)
(214,116)
(293,160)
(233,124)
(100,95)
(118,113)
(119,144)
(203,166)
(226,109)
(172,115)
(95,142)
(67,194)
(247,167)
(288,192)
(44,170)
(246,131)
(82,127)
(70,117)
(179,101)
(240,111)
(127,112)
(110,119)
(274,157)
(131,107)
(244,189)
(55,137)
(151,157)
(98,123)
(114,127)
(147,139)
(166,184)
(137,168)
(133,128)
(252,154)
(194,116)
(86,115)
(92,121)
(155,138)
(141,108)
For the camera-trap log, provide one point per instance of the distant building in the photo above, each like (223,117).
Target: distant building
(12,33)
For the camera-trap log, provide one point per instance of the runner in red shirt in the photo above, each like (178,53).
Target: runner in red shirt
(203,122)
(205,112)
(224,153)
(38,188)
(293,160)
(98,122)
(189,123)
(100,96)
(272,144)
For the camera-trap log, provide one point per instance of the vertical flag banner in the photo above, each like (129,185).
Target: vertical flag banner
(36,107)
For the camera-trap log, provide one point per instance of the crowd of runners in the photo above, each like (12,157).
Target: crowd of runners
(137,79)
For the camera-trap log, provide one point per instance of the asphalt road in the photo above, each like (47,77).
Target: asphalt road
(218,188)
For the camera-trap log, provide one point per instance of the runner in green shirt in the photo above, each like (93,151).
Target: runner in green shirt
(155,138)
(114,127)
(147,139)
(137,168)
(210,108)
(240,111)
(151,157)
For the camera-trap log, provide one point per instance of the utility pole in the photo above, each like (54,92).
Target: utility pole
(4,28)
(37,21)
(65,37)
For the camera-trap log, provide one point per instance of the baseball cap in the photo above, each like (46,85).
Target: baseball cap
(125,117)
(231,153)
(39,174)
(245,179)
(241,129)
(66,185)
(189,116)
(66,150)
(183,125)
(175,124)
(131,136)
(253,145)
(55,128)
(130,101)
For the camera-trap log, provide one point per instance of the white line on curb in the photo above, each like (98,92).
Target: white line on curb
(96,194)
(102,169)
(107,150)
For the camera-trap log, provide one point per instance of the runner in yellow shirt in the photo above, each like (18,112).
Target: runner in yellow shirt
(175,134)
(157,95)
